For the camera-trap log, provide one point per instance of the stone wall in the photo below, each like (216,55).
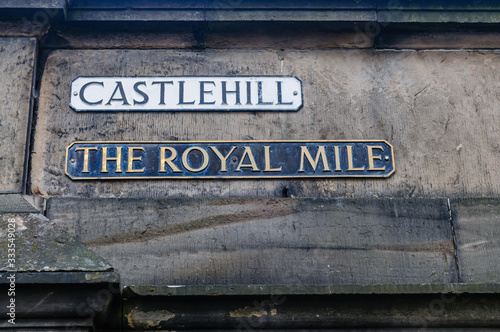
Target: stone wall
(221,253)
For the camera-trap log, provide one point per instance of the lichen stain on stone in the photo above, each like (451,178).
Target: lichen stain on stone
(148,319)
(248,312)
(20,224)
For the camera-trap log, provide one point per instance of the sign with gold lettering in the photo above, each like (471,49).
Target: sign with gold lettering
(231,159)
(187,93)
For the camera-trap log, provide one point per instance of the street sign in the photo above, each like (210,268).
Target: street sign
(229,159)
(186,93)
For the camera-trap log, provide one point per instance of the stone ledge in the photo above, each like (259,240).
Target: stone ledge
(62,301)
(241,241)
(348,311)
(62,277)
(292,11)
(40,245)
(237,290)
(15,203)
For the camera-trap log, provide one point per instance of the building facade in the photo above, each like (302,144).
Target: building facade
(249,165)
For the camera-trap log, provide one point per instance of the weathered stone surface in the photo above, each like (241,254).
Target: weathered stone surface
(113,39)
(214,4)
(42,246)
(17,56)
(33,4)
(22,28)
(439,40)
(438,110)
(265,241)
(38,202)
(455,16)
(285,37)
(477,232)
(15,204)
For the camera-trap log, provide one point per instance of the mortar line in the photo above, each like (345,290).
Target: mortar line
(454,239)
(32,101)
